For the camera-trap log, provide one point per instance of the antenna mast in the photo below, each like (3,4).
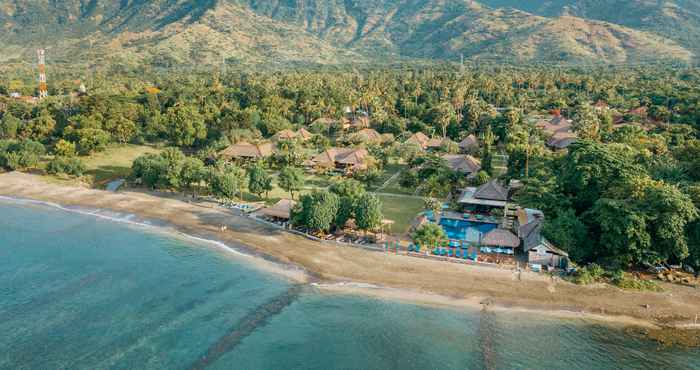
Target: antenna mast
(43,89)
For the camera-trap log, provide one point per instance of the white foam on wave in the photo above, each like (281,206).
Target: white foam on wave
(348,284)
(125,218)
(103,214)
(134,220)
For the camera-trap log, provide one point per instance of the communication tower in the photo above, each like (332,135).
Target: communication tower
(43,89)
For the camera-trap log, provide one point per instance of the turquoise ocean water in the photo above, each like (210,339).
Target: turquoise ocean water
(82,292)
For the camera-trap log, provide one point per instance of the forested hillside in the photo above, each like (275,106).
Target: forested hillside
(283,33)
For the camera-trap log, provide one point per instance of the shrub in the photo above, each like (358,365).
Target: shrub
(589,274)
(12,161)
(20,155)
(66,166)
(64,148)
(429,235)
(631,282)
(92,140)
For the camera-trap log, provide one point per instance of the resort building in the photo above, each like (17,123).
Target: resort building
(465,164)
(545,254)
(560,131)
(345,160)
(285,135)
(484,199)
(419,139)
(561,141)
(469,144)
(438,143)
(366,135)
(501,241)
(281,211)
(489,227)
(247,151)
(302,134)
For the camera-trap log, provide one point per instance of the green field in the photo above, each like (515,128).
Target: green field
(402,210)
(114,162)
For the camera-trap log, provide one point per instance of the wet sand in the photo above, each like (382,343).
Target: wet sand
(347,270)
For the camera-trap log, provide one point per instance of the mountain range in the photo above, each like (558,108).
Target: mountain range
(333,32)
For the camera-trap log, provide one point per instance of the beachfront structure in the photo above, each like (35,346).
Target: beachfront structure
(489,222)
(545,254)
(247,151)
(501,241)
(346,160)
(484,199)
(465,164)
(281,211)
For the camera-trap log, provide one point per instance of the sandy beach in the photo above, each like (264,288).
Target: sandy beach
(339,269)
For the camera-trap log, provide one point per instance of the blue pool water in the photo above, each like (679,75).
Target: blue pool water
(78,292)
(465,230)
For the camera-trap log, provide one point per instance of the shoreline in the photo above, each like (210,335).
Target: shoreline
(290,272)
(347,270)
(300,276)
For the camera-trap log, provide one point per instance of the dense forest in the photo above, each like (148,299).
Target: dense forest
(622,195)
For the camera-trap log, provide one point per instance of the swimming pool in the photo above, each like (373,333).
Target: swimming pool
(468,231)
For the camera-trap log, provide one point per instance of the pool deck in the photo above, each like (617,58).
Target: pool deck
(473,218)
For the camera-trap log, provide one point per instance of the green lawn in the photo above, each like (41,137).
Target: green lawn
(402,210)
(312,182)
(114,162)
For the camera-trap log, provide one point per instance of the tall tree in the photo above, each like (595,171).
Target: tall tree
(259,181)
(9,126)
(192,173)
(185,125)
(368,212)
(429,235)
(229,182)
(316,211)
(291,179)
(587,123)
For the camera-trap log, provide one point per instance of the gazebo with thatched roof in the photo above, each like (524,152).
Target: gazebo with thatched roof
(247,151)
(281,210)
(500,241)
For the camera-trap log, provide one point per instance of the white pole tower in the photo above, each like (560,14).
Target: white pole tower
(43,89)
